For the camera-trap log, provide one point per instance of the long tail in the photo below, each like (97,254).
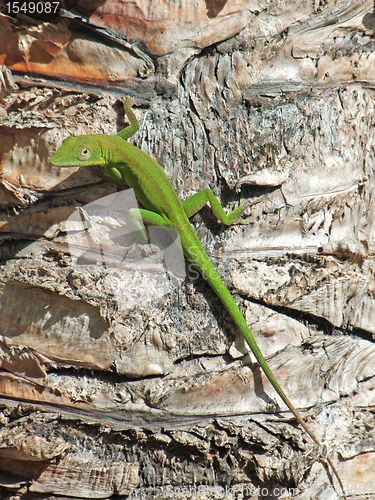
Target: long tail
(198,256)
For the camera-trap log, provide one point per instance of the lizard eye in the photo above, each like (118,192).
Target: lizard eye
(84,154)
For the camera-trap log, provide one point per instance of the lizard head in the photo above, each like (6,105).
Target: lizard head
(80,151)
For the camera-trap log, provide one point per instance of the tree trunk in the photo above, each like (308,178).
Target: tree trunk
(118,378)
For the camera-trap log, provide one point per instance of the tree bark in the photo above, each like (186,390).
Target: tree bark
(118,380)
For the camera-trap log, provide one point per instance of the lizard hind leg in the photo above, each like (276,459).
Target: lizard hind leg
(194,203)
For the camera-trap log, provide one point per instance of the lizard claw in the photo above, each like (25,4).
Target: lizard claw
(128,101)
(254,202)
(244,205)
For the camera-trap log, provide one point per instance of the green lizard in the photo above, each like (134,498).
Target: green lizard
(162,207)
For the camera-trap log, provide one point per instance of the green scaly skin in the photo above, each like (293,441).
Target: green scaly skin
(162,207)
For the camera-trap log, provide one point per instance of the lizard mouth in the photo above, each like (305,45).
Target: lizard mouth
(60,160)
(56,162)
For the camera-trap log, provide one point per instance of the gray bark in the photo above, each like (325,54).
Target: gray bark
(104,393)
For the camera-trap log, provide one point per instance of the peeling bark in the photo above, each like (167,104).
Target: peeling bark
(105,396)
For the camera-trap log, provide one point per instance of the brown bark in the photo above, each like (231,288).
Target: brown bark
(105,394)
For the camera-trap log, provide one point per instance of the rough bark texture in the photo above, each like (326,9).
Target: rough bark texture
(106,393)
